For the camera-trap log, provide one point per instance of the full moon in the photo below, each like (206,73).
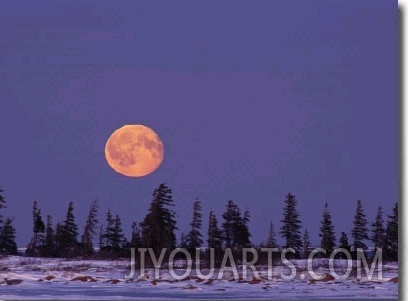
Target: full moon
(134,150)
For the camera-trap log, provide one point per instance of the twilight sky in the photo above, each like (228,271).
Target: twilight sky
(251,99)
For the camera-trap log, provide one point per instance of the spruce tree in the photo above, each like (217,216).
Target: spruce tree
(215,238)
(136,240)
(328,239)
(344,244)
(230,217)
(183,241)
(306,244)
(101,238)
(71,227)
(118,239)
(7,232)
(112,242)
(90,229)
(8,244)
(378,231)
(243,235)
(194,237)
(108,235)
(360,231)
(392,234)
(2,205)
(290,229)
(59,239)
(37,241)
(67,234)
(39,229)
(235,227)
(159,224)
(49,243)
(343,241)
(271,240)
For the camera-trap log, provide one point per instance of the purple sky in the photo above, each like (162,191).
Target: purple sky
(251,99)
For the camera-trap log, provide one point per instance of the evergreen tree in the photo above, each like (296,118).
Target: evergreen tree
(136,240)
(194,237)
(39,229)
(2,205)
(59,239)
(49,243)
(159,224)
(7,232)
(231,218)
(343,241)
(183,241)
(71,227)
(392,234)
(290,229)
(7,238)
(118,239)
(235,227)
(90,229)
(108,235)
(37,241)
(344,244)
(242,236)
(67,234)
(306,244)
(328,239)
(112,242)
(378,231)
(271,240)
(215,238)
(360,230)
(101,237)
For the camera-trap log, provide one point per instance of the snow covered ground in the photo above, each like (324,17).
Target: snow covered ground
(43,278)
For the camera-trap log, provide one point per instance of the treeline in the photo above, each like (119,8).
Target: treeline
(157,231)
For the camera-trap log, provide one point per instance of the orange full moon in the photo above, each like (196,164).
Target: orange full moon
(134,150)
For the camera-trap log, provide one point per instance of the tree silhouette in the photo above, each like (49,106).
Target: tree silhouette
(328,239)
(7,232)
(290,229)
(235,227)
(159,224)
(71,227)
(67,234)
(90,229)
(118,239)
(215,239)
(59,239)
(37,241)
(392,234)
(136,240)
(343,241)
(243,236)
(2,205)
(378,231)
(306,244)
(271,240)
(7,238)
(230,217)
(344,244)
(360,230)
(49,242)
(193,239)
(109,231)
